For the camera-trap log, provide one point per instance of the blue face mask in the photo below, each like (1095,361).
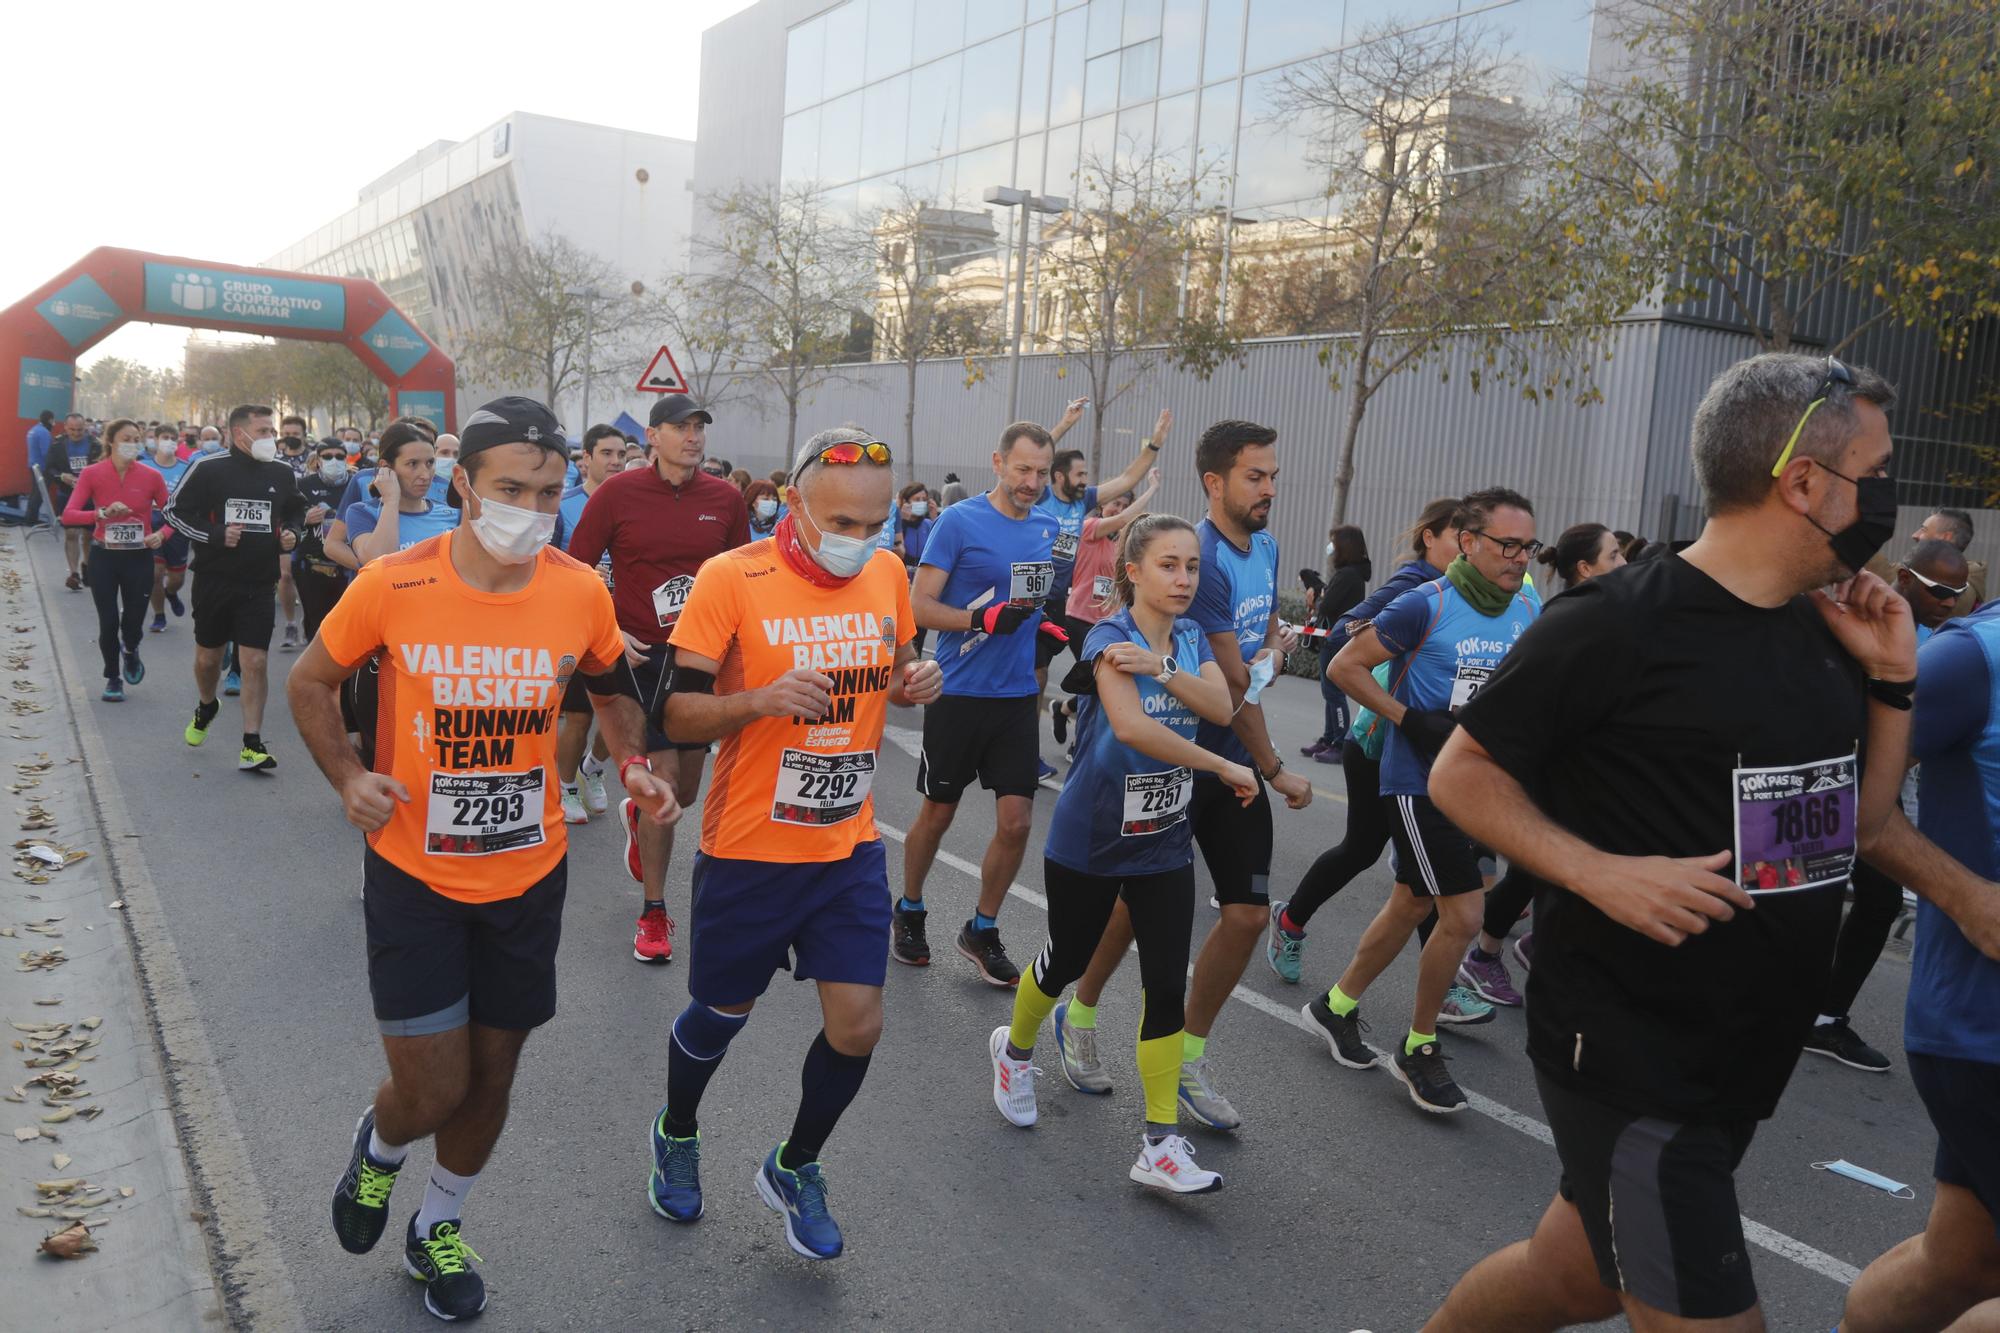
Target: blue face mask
(1841,1167)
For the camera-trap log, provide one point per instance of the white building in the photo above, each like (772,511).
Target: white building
(422,228)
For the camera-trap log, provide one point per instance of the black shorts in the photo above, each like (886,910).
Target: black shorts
(652,675)
(1235,840)
(1658,1202)
(997,741)
(1960,1096)
(1432,856)
(233,611)
(435,963)
(576,699)
(173,552)
(1047,649)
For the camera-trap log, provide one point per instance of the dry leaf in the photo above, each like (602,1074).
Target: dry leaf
(58,1116)
(72,1242)
(126,1191)
(51,1000)
(33,1212)
(92,1023)
(63,1186)
(118,905)
(61,1160)
(27,1133)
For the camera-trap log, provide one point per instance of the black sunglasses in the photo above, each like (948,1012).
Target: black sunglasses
(1510,548)
(1944,592)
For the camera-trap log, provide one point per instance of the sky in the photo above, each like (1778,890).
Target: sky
(225,131)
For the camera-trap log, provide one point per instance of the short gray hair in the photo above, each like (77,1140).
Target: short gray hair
(1957,525)
(1750,411)
(845,433)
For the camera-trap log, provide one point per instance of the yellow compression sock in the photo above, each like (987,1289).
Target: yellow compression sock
(1082,1017)
(1417,1039)
(1030,1008)
(1192,1047)
(1340,1001)
(1160,1075)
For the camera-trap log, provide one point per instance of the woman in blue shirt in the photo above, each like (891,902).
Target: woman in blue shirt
(1120,831)
(399,512)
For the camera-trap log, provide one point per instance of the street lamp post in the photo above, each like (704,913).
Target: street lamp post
(1009,197)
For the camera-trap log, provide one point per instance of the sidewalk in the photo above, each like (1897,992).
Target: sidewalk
(96,1139)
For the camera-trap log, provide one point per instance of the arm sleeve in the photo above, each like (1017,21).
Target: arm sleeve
(360,520)
(1401,625)
(593,526)
(353,628)
(1103,634)
(1210,608)
(713,613)
(1565,676)
(941,548)
(1954,695)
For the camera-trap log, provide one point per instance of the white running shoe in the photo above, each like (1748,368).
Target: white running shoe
(1169,1165)
(595,798)
(1013,1081)
(572,807)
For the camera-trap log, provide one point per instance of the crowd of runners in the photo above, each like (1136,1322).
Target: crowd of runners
(1634,797)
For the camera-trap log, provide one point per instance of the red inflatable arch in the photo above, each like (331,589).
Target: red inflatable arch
(42,334)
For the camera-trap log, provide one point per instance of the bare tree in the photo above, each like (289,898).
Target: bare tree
(544,305)
(1112,278)
(709,334)
(776,255)
(936,289)
(1449,222)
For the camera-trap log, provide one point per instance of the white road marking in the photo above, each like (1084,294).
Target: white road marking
(1777,1242)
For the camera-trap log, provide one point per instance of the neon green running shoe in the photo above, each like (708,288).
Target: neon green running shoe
(204,717)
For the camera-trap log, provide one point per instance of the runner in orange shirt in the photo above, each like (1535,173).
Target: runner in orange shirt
(790,650)
(475,634)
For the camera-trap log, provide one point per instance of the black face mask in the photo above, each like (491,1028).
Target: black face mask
(1874,521)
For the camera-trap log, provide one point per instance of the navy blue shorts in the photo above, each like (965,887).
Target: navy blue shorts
(822,920)
(173,552)
(1960,1096)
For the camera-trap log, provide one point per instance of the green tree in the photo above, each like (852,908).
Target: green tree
(1827,165)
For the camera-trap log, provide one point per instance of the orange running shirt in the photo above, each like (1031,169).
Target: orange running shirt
(788,790)
(471,683)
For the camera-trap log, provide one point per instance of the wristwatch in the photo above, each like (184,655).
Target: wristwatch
(1169,668)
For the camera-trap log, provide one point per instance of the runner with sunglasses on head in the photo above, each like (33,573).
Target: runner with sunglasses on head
(790,651)
(1120,833)
(1446,638)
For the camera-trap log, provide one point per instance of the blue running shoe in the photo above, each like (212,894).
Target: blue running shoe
(175,605)
(159,624)
(1282,949)
(1045,771)
(801,1197)
(135,670)
(232,684)
(114,691)
(676,1185)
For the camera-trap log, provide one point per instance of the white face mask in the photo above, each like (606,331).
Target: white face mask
(333,471)
(444,467)
(842,557)
(767,509)
(1329,548)
(264,449)
(129,450)
(211,446)
(510,535)
(918,508)
(165,451)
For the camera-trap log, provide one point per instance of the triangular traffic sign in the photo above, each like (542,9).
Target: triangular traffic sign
(662,375)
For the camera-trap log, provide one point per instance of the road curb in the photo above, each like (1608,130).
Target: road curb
(255,1284)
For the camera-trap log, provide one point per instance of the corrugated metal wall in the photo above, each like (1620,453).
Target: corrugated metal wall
(1422,437)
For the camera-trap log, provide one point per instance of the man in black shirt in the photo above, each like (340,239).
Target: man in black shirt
(242,510)
(319,581)
(1676,751)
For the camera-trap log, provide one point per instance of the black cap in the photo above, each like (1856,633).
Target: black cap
(677,407)
(510,421)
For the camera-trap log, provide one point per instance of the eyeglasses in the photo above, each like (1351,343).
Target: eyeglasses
(1510,549)
(847,452)
(1836,373)
(1944,592)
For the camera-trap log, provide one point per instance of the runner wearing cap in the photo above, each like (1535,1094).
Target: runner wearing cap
(807,636)
(985,574)
(577,754)
(659,523)
(242,510)
(477,631)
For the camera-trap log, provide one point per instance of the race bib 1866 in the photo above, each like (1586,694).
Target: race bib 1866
(480,814)
(1795,825)
(822,789)
(1155,802)
(250,515)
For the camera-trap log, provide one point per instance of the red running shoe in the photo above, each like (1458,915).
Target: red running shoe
(629,814)
(654,942)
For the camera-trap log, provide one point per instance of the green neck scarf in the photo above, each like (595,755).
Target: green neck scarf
(1487,597)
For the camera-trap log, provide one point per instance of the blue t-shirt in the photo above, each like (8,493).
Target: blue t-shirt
(1069,516)
(410,528)
(1954,1002)
(172,472)
(357,490)
(1237,594)
(570,512)
(990,558)
(1122,812)
(39,441)
(1445,651)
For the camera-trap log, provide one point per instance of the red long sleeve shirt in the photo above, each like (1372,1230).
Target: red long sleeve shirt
(99,486)
(658,536)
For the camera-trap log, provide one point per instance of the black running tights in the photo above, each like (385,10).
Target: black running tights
(1877,901)
(1360,848)
(1162,910)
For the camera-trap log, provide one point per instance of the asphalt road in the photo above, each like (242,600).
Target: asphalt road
(1344,1206)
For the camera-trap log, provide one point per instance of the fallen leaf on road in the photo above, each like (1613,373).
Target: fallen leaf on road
(27,1133)
(61,1160)
(33,1212)
(72,1242)
(57,1117)
(118,905)
(92,1023)
(53,999)
(126,1191)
